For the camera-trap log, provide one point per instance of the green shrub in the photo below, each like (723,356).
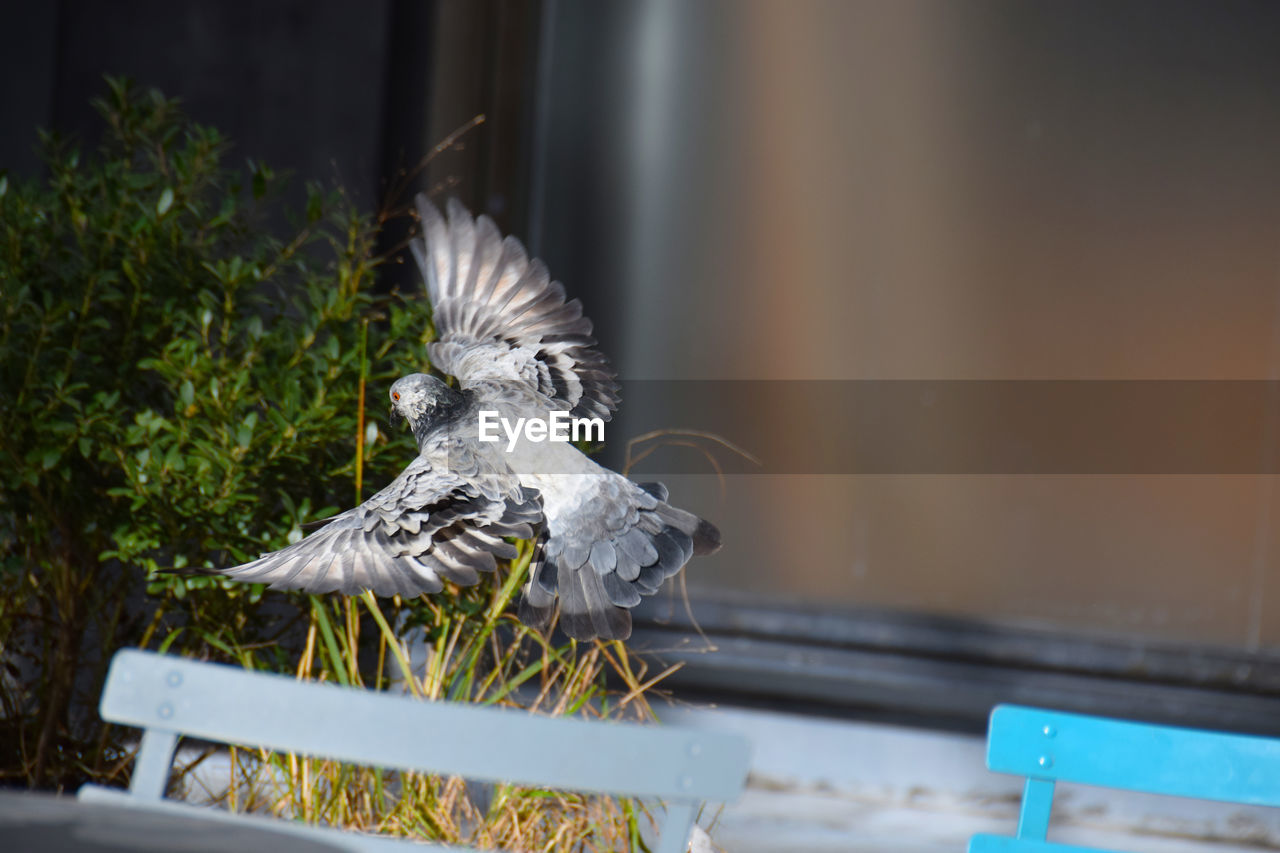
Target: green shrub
(181,388)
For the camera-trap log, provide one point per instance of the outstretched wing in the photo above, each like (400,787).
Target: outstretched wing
(429,525)
(500,317)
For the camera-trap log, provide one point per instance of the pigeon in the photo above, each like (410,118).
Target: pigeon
(520,353)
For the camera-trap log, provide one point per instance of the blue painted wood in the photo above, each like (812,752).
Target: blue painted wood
(1004,844)
(167,696)
(1050,746)
(1053,745)
(1037,805)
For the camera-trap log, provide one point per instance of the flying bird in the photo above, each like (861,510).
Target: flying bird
(518,349)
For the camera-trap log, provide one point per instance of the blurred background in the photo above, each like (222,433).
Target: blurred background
(768,206)
(843,191)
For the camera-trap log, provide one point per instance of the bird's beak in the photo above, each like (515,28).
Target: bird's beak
(396,417)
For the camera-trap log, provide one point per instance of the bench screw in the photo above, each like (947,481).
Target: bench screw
(1046,762)
(165,711)
(1050,731)
(174,679)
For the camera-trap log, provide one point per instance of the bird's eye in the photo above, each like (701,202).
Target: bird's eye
(395,395)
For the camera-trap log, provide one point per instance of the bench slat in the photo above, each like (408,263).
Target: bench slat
(1001,844)
(228,704)
(151,768)
(1037,806)
(1052,745)
(334,839)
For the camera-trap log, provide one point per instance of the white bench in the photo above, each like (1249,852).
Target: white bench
(168,697)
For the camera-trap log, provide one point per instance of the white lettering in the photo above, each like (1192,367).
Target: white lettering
(488,421)
(557,426)
(535,429)
(593,429)
(560,425)
(512,434)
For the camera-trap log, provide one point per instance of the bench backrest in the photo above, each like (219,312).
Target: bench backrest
(1051,746)
(170,696)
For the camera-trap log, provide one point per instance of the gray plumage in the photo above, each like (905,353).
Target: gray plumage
(439,520)
(519,348)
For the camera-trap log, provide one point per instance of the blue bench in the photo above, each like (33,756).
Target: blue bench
(168,697)
(1050,746)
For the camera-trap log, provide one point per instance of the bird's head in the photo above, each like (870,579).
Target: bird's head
(424,402)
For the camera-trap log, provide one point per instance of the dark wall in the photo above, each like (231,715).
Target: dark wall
(293,83)
(27,71)
(328,90)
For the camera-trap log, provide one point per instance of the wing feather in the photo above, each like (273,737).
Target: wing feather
(499,316)
(429,525)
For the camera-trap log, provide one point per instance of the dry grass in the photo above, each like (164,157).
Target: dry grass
(469,649)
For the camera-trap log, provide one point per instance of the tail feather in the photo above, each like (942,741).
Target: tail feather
(538,601)
(671,550)
(658,490)
(606,560)
(608,621)
(706,537)
(575,619)
(621,593)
